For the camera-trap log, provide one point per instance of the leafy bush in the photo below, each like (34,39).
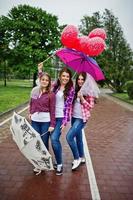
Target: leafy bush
(129,86)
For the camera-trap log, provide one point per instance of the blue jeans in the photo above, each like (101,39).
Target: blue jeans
(74,137)
(56,144)
(42,127)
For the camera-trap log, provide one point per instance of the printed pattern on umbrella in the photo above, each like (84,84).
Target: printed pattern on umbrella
(30,143)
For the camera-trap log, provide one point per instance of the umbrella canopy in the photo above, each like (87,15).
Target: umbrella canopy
(30,143)
(90,87)
(79,62)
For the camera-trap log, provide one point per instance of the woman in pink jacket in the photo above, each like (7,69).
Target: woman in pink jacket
(42,108)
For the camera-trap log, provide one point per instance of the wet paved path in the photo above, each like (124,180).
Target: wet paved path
(109,135)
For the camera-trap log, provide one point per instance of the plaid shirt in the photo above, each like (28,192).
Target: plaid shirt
(86,106)
(67,106)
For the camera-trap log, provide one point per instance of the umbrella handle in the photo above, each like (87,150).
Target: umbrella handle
(74,75)
(44,133)
(48,58)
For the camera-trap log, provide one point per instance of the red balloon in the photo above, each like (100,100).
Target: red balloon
(69,36)
(96,46)
(77,45)
(98,32)
(84,44)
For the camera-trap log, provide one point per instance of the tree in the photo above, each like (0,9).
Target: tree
(4,50)
(32,35)
(89,23)
(116,60)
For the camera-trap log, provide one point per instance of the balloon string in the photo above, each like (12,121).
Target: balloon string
(76,72)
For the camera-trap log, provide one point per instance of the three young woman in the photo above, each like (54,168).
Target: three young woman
(80,102)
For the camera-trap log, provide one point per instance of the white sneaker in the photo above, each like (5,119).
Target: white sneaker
(76,164)
(82,160)
(59,170)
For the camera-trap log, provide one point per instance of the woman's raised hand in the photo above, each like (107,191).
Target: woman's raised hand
(40,66)
(80,95)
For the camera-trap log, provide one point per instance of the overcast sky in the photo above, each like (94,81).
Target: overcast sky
(71,11)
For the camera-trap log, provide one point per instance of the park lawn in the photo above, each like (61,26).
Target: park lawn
(13,96)
(17,82)
(123,97)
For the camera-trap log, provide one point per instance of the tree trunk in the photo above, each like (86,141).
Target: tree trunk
(34,79)
(5,73)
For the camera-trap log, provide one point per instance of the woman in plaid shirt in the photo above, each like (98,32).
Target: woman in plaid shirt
(85,92)
(64,93)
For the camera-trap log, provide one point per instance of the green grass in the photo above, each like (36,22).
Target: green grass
(16,82)
(123,97)
(14,94)
(17,92)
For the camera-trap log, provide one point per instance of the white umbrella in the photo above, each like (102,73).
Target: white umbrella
(90,87)
(30,143)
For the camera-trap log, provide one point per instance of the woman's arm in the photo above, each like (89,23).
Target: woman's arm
(40,67)
(87,102)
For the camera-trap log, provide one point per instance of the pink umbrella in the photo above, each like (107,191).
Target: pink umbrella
(79,62)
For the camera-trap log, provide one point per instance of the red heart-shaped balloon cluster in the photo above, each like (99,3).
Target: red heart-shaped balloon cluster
(98,32)
(92,45)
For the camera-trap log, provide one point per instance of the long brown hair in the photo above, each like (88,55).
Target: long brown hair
(67,86)
(77,87)
(48,88)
